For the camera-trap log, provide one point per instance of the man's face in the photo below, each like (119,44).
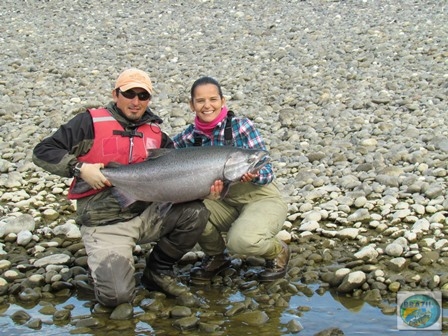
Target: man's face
(132,108)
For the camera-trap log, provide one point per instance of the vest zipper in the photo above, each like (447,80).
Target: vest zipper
(131,148)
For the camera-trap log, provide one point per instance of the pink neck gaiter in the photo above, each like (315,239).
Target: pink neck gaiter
(207,127)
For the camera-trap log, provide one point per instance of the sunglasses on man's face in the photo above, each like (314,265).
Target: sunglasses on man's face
(130,94)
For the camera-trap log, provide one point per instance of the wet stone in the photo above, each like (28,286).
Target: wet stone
(62,315)
(61,286)
(20,316)
(123,311)
(12,275)
(34,323)
(81,331)
(30,294)
(237,308)
(69,307)
(253,318)
(248,285)
(81,261)
(147,317)
(330,332)
(208,327)
(281,302)
(36,280)
(180,311)
(100,309)
(352,281)
(189,300)
(294,326)
(373,295)
(47,310)
(186,323)
(151,304)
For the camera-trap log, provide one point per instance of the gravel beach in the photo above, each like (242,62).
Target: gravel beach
(350,96)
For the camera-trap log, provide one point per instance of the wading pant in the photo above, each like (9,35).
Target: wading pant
(109,247)
(251,215)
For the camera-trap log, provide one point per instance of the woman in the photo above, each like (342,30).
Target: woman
(252,212)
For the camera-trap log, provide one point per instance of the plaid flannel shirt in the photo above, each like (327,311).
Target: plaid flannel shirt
(245,135)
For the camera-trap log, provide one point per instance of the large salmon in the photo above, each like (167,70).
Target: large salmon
(181,175)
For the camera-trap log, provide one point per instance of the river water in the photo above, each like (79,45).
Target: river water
(314,312)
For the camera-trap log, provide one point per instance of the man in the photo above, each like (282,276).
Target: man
(124,131)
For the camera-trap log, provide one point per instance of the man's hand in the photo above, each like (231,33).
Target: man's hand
(91,173)
(216,190)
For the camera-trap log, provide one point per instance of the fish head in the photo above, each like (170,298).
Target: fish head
(242,161)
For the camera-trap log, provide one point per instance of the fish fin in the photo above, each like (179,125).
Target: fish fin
(225,189)
(155,153)
(255,169)
(122,198)
(163,208)
(114,164)
(81,187)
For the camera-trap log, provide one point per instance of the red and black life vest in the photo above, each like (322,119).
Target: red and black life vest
(112,143)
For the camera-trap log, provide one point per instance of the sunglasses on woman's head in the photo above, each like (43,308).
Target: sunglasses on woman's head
(130,94)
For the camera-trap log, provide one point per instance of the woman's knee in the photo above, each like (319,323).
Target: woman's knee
(209,230)
(241,244)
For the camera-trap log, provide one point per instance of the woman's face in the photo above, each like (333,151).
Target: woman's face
(207,102)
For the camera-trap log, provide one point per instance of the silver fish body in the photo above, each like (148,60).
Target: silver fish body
(184,174)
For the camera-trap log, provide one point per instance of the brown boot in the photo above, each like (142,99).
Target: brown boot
(276,268)
(210,266)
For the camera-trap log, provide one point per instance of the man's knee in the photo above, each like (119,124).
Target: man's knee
(114,297)
(113,274)
(192,216)
(197,212)
(184,226)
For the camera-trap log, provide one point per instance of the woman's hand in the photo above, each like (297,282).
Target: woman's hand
(91,173)
(249,177)
(215,190)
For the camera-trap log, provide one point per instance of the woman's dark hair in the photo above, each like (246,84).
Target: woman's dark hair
(205,80)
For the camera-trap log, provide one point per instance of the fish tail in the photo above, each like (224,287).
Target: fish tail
(123,199)
(163,208)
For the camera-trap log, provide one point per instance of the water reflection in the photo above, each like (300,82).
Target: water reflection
(352,304)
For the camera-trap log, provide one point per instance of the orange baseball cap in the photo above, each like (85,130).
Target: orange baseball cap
(133,78)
